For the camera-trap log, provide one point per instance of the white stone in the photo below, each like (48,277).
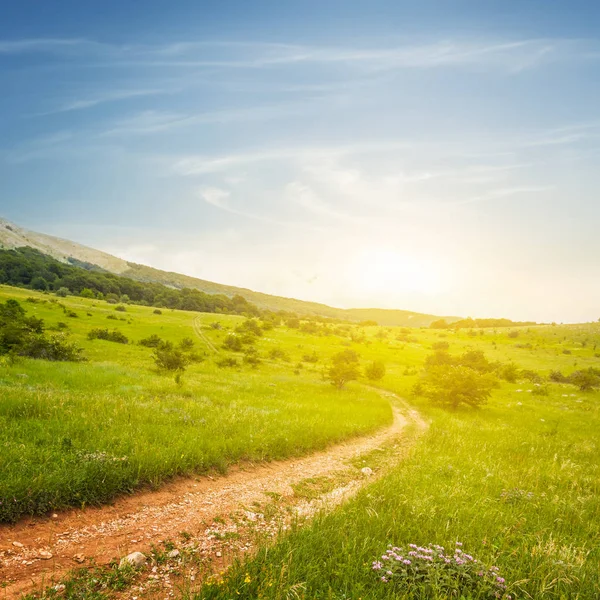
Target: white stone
(367,471)
(135,559)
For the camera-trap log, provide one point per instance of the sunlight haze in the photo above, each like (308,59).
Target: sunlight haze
(408,156)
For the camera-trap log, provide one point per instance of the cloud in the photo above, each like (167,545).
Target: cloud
(511,56)
(102,98)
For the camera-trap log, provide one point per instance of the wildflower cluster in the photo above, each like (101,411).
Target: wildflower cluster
(432,570)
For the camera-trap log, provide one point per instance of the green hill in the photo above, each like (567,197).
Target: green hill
(14,236)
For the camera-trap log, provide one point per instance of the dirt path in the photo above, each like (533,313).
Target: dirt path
(39,551)
(197,326)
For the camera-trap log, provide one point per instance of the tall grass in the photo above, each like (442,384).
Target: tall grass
(81,433)
(518,483)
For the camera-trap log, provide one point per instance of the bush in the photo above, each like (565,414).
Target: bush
(311,358)
(277,353)
(63,292)
(169,358)
(227,361)
(450,386)
(120,308)
(509,372)
(440,346)
(157,311)
(344,368)
(585,380)
(530,375)
(375,371)
(557,377)
(152,341)
(55,348)
(21,335)
(233,342)
(251,326)
(186,344)
(110,336)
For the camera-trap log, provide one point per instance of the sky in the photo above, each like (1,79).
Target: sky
(440,157)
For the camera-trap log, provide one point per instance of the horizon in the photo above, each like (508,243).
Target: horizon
(441,160)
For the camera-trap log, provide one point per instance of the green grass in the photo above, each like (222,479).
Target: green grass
(81,433)
(518,483)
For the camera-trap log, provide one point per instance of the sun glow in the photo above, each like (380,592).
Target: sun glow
(386,271)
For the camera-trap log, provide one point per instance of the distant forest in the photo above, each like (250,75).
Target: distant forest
(29,268)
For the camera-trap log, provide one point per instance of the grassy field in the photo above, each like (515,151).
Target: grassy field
(516,483)
(80,433)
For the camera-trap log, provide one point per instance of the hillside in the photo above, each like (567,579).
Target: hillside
(13,236)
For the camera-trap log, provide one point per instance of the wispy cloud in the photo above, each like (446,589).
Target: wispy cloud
(103,98)
(511,56)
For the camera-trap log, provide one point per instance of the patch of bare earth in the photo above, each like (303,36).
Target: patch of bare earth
(197,526)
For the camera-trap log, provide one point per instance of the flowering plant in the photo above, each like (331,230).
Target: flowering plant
(431,569)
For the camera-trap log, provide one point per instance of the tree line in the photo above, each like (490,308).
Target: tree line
(29,268)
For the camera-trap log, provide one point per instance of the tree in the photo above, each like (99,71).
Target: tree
(344,368)
(87,293)
(169,358)
(63,292)
(375,371)
(450,386)
(39,283)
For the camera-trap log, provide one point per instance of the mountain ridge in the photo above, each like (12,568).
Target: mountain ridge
(15,236)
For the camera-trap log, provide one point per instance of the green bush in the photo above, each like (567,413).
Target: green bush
(152,341)
(110,336)
(375,371)
(169,358)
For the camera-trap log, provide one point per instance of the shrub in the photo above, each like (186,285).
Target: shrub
(227,361)
(169,358)
(585,380)
(375,371)
(311,358)
(87,293)
(450,386)
(152,341)
(120,308)
(21,335)
(233,342)
(344,368)
(429,572)
(509,372)
(186,344)
(251,326)
(440,346)
(252,358)
(110,336)
(513,334)
(277,353)
(157,311)
(63,292)
(557,377)
(55,348)
(532,376)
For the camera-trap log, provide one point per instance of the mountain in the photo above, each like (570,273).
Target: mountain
(13,236)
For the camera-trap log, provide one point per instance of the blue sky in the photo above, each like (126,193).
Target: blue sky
(433,156)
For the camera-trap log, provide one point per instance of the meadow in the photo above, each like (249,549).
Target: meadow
(515,483)
(74,434)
